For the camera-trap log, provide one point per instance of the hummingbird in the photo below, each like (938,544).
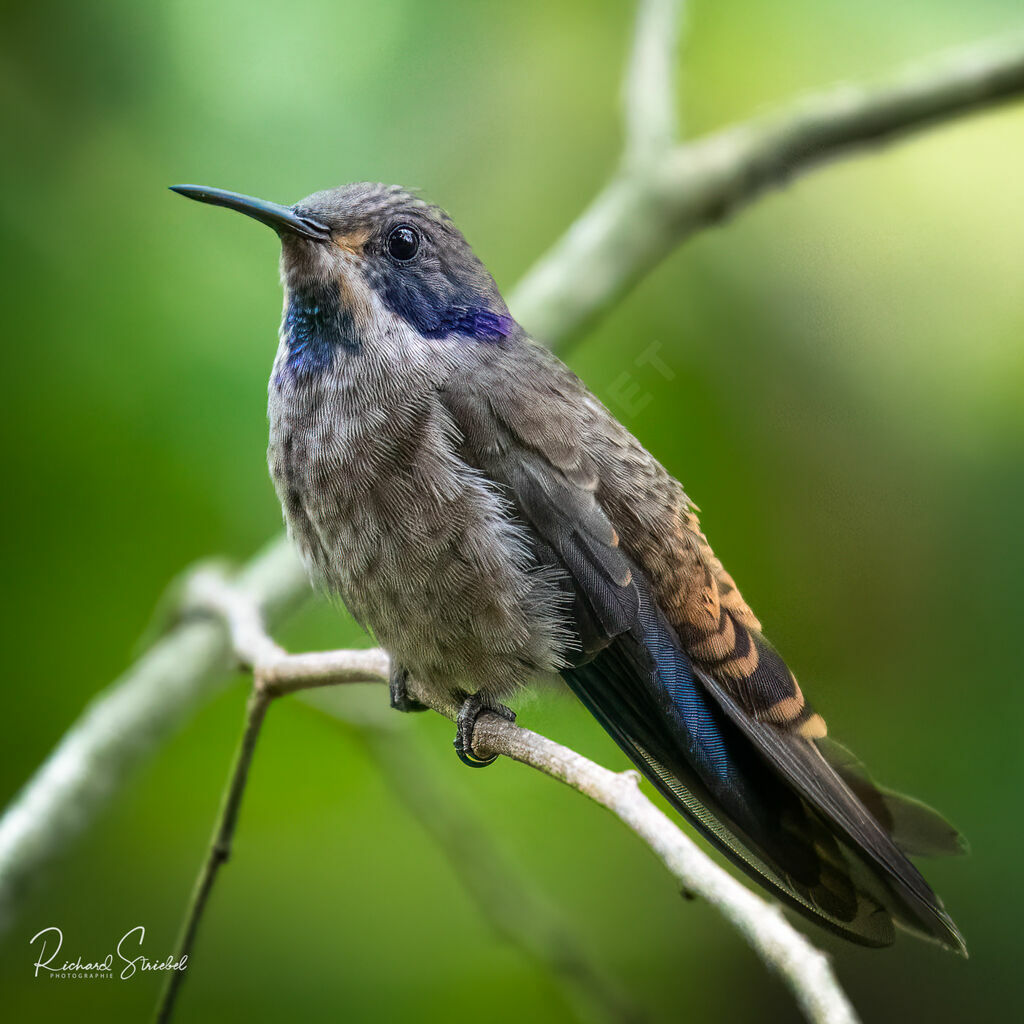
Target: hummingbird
(482,514)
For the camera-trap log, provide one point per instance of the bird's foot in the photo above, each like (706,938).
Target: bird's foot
(465,721)
(398,685)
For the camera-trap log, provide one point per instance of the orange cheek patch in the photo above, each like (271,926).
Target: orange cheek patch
(353,242)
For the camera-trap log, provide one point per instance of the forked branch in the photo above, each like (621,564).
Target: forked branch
(779,945)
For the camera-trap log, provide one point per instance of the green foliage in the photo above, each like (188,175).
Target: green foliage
(845,405)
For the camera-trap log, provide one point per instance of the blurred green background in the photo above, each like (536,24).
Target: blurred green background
(846,407)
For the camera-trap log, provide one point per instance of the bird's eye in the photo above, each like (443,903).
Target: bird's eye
(403,243)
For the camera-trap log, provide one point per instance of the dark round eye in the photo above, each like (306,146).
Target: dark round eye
(403,243)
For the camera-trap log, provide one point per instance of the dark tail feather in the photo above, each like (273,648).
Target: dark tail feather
(914,827)
(644,691)
(882,868)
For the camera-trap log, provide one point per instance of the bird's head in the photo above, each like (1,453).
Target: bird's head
(360,261)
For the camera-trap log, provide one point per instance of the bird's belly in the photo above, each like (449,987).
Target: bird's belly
(424,553)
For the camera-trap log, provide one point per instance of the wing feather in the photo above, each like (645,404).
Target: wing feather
(673,664)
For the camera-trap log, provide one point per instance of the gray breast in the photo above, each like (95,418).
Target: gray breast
(422,548)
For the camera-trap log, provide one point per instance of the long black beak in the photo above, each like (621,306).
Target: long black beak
(283,219)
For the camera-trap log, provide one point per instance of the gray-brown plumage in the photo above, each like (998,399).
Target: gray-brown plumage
(490,521)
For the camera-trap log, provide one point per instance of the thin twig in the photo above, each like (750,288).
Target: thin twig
(805,969)
(275,674)
(802,967)
(220,848)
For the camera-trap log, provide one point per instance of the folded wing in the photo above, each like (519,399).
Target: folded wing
(672,663)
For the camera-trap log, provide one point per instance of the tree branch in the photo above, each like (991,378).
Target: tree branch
(640,216)
(126,722)
(514,911)
(648,94)
(647,210)
(803,968)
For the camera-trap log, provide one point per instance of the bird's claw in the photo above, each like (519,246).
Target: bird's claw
(465,721)
(398,686)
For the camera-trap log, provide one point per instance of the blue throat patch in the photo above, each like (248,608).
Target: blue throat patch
(316,325)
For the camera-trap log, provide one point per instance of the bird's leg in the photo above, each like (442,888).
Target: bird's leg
(465,721)
(398,685)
